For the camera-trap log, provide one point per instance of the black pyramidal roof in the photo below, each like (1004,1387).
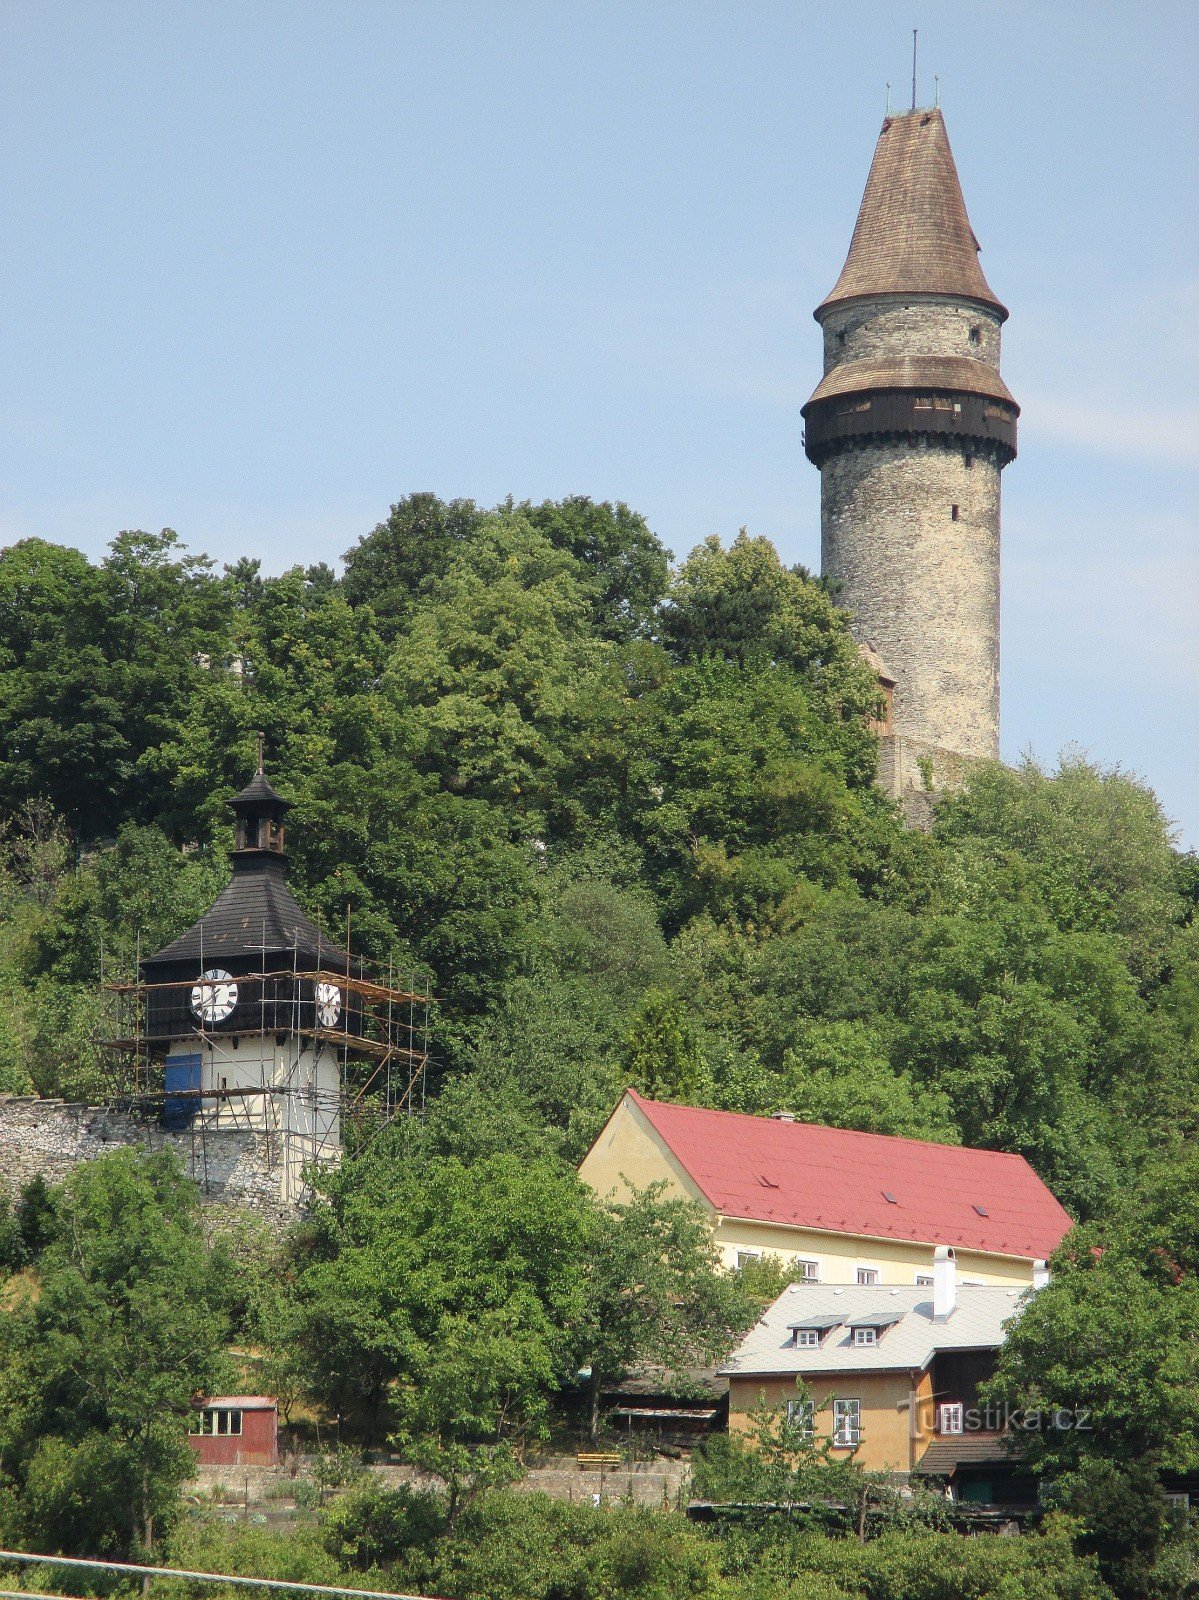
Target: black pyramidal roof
(255,921)
(258,795)
(255,918)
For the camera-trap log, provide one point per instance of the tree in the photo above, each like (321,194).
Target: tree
(100,1364)
(654,1293)
(409,1254)
(662,1055)
(1103,1366)
(1092,844)
(626,564)
(742,604)
(839,1073)
(389,568)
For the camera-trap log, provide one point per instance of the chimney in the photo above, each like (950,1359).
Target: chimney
(1040,1274)
(945,1282)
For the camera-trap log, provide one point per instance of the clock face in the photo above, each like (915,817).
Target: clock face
(328,1004)
(215,996)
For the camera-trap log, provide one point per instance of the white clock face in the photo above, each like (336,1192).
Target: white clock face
(214,997)
(328,1004)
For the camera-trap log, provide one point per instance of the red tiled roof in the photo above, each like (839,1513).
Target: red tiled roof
(796,1173)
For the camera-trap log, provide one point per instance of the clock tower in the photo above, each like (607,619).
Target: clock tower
(252,1011)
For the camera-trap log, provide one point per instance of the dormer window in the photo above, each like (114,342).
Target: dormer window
(869,1328)
(808,1335)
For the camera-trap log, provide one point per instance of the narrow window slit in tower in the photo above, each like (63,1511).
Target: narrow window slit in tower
(975,335)
(954,512)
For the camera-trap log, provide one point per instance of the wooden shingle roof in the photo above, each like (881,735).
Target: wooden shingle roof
(254,916)
(912,234)
(937,374)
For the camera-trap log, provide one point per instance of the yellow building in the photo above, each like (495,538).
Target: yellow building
(842,1207)
(887,1372)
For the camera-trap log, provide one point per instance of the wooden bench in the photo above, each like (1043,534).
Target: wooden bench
(599,1458)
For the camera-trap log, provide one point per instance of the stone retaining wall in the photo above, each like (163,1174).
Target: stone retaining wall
(232,1166)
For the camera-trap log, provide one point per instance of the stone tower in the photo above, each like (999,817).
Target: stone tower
(911,426)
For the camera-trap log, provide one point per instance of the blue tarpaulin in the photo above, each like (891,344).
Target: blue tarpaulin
(179,1108)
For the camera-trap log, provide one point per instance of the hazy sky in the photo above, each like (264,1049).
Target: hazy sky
(268,267)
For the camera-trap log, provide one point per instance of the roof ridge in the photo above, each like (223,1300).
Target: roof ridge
(768,1119)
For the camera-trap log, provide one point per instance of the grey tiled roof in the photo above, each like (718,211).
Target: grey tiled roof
(909,1344)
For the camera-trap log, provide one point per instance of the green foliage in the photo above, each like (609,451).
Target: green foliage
(662,1054)
(626,819)
(839,1073)
(652,1294)
(1114,1339)
(99,1363)
(528,1547)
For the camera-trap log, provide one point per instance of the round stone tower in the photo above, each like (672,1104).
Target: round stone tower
(911,426)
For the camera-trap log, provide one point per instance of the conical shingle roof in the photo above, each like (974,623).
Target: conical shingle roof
(912,234)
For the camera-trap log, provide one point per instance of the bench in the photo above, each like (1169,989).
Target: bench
(599,1458)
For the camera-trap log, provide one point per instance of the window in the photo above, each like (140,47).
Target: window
(969,462)
(807,1271)
(847,1423)
(867,1274)
(923,404)
(801,1414)
(746,1256)
(943,404)
(950,1417)
(975,335)
(924,1280)
(863,1336)
(953,512)
(216,1420)
(806,1338)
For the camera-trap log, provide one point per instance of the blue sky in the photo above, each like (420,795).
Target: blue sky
(266,268)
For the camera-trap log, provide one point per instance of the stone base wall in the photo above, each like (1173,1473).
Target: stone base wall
(916,773)
(233,1167)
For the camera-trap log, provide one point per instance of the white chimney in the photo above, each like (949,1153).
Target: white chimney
(1040,1274)
(945,1282)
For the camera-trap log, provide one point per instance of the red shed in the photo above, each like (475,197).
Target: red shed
(237,1430)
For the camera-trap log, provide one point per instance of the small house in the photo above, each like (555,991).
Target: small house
(236,1430)
(891,1376)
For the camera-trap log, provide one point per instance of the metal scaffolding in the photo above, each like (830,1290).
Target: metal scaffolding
(376,1037)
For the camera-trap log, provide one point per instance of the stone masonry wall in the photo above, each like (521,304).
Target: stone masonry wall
(51,1137)
(922,586)
(929,327)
